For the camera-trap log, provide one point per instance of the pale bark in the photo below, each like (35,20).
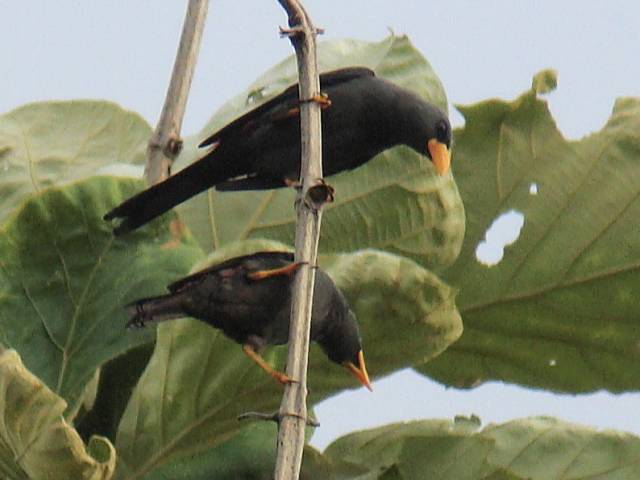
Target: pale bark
(293,409)
(165,143)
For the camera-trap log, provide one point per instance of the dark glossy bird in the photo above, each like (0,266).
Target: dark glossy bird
(249,299)
(362,115)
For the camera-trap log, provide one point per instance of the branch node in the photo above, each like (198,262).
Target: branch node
(276,417)
(173,147)
(298,30)
(165,144)
(292,31)
(318,194)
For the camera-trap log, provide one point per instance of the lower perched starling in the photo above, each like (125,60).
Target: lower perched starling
(249,299)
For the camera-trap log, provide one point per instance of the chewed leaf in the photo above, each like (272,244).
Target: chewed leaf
(560,309)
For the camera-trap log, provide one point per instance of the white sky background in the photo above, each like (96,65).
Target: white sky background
(124,52)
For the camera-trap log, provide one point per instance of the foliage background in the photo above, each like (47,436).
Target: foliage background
(127,60)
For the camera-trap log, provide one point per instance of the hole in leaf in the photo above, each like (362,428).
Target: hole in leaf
(533,188)
(504,231)
(552,362)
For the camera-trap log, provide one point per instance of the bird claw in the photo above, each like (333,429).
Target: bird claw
(286,271)
(282,378)
(321,99)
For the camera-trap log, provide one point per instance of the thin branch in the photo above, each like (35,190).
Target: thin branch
(273,417)
(293,409)
(165,143)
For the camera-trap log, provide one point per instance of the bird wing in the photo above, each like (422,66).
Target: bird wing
(285,105)
(231,264)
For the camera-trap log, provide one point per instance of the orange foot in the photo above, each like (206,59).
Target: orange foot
(282,378)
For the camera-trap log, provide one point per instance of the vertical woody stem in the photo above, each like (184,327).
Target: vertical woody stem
(293,409)
(165,143)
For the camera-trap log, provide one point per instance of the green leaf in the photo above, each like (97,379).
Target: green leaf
(560,311)
(198,381)
(545,81)
(316,465)
(529,449)
(35,440)
(51,143)
(117,379)
(393,203)
(250,455)
(64,279)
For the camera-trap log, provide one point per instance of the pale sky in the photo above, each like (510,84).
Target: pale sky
(124,51)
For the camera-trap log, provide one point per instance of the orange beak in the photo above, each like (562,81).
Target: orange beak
(360,372)
(440,156)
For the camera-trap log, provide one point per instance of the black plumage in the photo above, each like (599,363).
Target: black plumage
(362,116)
(249,299)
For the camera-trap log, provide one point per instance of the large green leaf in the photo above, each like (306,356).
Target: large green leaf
(530,449)
(64,279)
(560,311)
(117,379)
(198,381)
(36,443)
(394,203)
(50,143)
(249,455)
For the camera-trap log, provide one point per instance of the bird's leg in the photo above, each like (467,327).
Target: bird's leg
(321,99)
(281,377)
(287,270)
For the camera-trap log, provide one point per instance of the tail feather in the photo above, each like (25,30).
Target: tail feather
(155,309)
(162,197)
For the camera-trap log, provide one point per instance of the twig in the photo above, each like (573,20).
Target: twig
(275,417)
(293,409)
(165,143)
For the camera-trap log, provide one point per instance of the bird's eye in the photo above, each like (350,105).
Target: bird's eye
(442,132)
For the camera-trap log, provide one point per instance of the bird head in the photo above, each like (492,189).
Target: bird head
(427,130)
(343,346)
(438,145)
(358,369)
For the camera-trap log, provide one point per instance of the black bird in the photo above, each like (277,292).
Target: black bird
(362,116)
(249,299)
